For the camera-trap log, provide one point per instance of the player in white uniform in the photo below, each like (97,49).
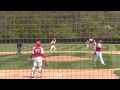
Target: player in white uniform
(98,53)
(94,44)
(52,43)
(87,43)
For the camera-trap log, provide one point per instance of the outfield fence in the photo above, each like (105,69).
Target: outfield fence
(65,40)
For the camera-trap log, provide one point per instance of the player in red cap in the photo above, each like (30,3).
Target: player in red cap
(98,53)
(38,53)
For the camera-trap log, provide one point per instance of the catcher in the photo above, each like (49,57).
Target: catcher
(38,54)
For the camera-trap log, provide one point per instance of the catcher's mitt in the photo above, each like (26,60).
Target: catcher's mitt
(30,60)
(94,53)
(46,64)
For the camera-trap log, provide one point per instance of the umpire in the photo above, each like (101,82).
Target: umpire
(19,45)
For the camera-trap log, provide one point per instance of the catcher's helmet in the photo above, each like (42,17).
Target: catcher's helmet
(38,43)
(100,41)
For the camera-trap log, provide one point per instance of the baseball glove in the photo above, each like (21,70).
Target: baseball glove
(46,64)
(94,53)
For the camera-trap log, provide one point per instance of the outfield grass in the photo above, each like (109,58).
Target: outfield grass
(20,62)
(59,47)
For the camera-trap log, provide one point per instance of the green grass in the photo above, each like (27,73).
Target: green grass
(20,62)
(59,47)
(117,72)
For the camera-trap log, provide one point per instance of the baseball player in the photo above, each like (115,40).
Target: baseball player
(52,43)
(87,43)
(94,44)
(38,53)
(98,53)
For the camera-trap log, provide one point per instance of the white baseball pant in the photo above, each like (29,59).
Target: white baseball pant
(98,54)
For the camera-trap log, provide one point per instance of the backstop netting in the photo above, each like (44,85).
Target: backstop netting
(76,56)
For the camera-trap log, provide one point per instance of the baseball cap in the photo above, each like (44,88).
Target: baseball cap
(38,42)
(100,41)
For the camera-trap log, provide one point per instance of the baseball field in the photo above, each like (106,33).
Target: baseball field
(70,61)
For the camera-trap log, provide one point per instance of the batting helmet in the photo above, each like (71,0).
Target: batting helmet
(100,41)
(38,43)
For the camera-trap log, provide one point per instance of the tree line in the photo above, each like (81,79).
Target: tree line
(59,24)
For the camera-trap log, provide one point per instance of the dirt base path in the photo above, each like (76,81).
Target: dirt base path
(61,74)
(28,52)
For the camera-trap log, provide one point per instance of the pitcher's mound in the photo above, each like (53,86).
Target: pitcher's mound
(66,58)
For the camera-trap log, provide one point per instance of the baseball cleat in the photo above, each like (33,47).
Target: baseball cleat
(103,64)
(31,77)
(39,76)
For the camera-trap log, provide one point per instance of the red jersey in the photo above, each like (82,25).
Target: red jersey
(37,51)
(53,42)
(99,47)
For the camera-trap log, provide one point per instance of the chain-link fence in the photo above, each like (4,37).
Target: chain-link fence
(71,29)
